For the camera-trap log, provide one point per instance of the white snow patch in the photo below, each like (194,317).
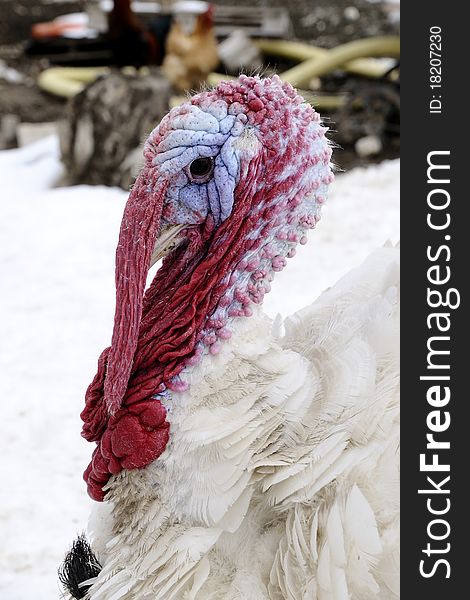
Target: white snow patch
(57,303)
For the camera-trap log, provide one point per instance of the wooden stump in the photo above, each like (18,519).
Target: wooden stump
(101,139)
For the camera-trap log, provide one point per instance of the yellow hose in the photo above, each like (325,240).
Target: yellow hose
(365,67)
(68,81)
(387,46)
(323,102)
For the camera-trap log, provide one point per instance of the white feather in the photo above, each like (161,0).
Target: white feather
(280,481)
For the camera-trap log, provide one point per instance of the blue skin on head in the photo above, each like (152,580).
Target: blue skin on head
(198,152)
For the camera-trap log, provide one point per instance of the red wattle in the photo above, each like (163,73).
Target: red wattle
(134,437)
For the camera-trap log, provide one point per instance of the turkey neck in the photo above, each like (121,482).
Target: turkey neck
(201,289)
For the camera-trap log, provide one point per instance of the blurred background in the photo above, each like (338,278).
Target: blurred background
(82,83)
(82,67)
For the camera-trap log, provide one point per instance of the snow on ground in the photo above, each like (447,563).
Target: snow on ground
(57,303)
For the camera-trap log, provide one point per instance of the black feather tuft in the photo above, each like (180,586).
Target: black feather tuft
(80,564)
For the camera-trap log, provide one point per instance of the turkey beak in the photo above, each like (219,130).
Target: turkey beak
(168,239)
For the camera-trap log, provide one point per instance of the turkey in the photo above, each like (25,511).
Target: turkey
(240,458)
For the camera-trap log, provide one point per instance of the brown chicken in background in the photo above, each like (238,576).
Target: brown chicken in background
(191,46)
(131,40)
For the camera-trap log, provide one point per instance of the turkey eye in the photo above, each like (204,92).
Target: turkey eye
(201,168)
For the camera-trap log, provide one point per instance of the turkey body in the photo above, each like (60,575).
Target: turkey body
(280,478)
